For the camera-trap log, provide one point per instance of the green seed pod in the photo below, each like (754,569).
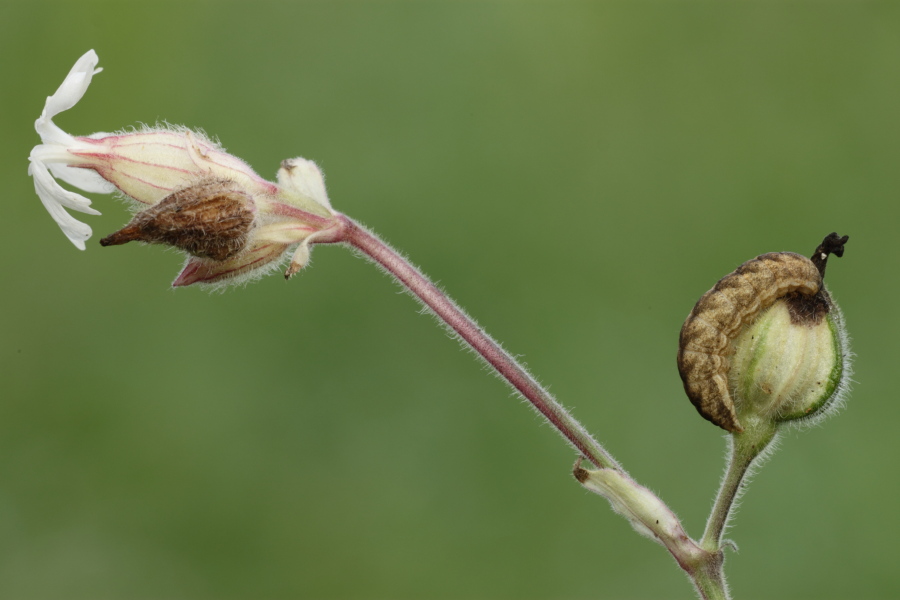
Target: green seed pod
(767,340)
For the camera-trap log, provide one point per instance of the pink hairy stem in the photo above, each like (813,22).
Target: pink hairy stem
(465,327)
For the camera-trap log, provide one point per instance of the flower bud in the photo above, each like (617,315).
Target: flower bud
(766,342)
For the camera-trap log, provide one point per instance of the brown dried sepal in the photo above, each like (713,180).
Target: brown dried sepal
(708,334)
(210,219)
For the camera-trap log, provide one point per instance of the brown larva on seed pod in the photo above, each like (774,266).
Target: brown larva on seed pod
(767,341)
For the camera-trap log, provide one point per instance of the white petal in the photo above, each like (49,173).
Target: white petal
(69,93)
(74,85)
(54,198)
(86,179)
(57,158)
(66,198)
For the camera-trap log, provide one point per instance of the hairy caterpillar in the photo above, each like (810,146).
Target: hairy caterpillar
(706,341)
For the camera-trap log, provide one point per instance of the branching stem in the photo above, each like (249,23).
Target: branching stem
(702,562)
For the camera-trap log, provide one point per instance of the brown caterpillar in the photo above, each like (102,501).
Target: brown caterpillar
(706,341)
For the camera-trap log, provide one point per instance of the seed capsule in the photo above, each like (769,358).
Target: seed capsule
(210,219)
(717,328)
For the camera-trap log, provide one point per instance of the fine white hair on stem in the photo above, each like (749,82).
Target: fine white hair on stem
(472,336)
(749,471)
(424,309)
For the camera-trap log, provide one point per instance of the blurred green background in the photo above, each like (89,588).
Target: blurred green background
(575,174)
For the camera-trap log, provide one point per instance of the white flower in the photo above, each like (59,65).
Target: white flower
(181,166)
(52,156)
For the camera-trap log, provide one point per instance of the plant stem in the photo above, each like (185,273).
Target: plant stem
(701,563)
(472,335)
(746,447)
(710,580)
